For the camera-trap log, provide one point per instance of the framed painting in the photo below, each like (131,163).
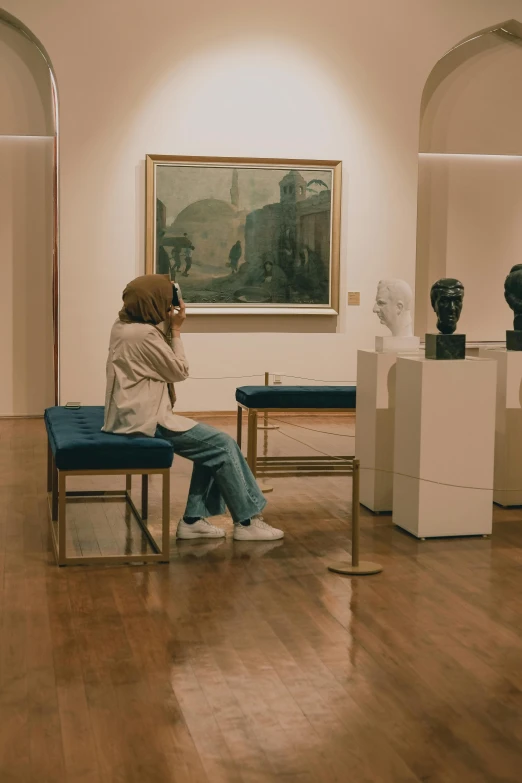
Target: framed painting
(246,236)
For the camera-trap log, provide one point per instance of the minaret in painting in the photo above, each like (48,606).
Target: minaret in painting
(234,190)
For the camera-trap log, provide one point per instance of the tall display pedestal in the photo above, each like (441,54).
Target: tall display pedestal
(374,427)
(444,432)
(508,434)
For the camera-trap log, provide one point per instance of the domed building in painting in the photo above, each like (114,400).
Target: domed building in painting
(213,226)
(208,209)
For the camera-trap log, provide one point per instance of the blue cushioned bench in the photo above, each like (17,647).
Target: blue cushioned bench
(78,447)
(289,399)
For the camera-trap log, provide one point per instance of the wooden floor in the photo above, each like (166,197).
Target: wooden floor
(251,662)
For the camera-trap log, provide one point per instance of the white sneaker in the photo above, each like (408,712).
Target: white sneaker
(257,530)
(200,529)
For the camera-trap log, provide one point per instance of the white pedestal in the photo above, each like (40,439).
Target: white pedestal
(391,344)
(374,426)
(508,430)
(445,432)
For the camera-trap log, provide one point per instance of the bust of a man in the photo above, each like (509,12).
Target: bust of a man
(392,305)
(513,294)
(447,297)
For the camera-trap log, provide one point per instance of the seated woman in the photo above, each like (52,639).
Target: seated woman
(146,358)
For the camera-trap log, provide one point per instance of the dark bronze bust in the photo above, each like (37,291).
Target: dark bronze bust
(513,294)
(447,297)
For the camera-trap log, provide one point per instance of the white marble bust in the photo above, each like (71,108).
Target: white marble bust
(392,305)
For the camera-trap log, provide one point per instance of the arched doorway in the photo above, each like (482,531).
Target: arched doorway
(470,179)
(29,220)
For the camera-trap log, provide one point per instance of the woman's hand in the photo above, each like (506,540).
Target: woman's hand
(177,317)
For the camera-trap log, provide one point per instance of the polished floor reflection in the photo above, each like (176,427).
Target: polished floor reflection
(251,662)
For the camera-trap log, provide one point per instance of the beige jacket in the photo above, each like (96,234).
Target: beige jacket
(139,366)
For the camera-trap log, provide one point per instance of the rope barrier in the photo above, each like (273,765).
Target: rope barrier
(318,380)
(440,483)
(342,435)
(384,470)
(311,429)
(331,456)
(260,375)
(224,377)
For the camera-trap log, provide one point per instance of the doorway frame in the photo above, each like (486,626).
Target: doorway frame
(11,21)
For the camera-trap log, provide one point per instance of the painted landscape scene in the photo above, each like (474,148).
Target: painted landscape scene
(245,236)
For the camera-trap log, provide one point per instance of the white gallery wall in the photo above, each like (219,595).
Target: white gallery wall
(26,222)
(335,80)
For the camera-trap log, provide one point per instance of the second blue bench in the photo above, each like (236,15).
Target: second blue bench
(291,399)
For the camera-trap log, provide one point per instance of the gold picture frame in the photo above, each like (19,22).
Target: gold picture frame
(256,235)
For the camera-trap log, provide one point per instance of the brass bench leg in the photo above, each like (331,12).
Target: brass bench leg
(145,496)
(144,493)
(49,467)
(62,499)
(239,425)
(58,507)
(54,491)
(165,516)
(252,441)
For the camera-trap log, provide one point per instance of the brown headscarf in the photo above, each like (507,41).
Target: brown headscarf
(146,301)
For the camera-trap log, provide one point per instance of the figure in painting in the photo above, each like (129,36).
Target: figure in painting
(234,256)
(176,259)
(274,281)
(287,252)
(162,259)
(187,254)
(310,275)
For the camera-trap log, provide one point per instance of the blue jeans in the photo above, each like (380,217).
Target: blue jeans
(220,477)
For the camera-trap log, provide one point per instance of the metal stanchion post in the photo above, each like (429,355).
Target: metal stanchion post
(355,568)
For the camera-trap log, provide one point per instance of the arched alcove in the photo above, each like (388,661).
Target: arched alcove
(28,216)
(470,179)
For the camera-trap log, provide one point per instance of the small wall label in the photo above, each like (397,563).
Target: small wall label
(354,298)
